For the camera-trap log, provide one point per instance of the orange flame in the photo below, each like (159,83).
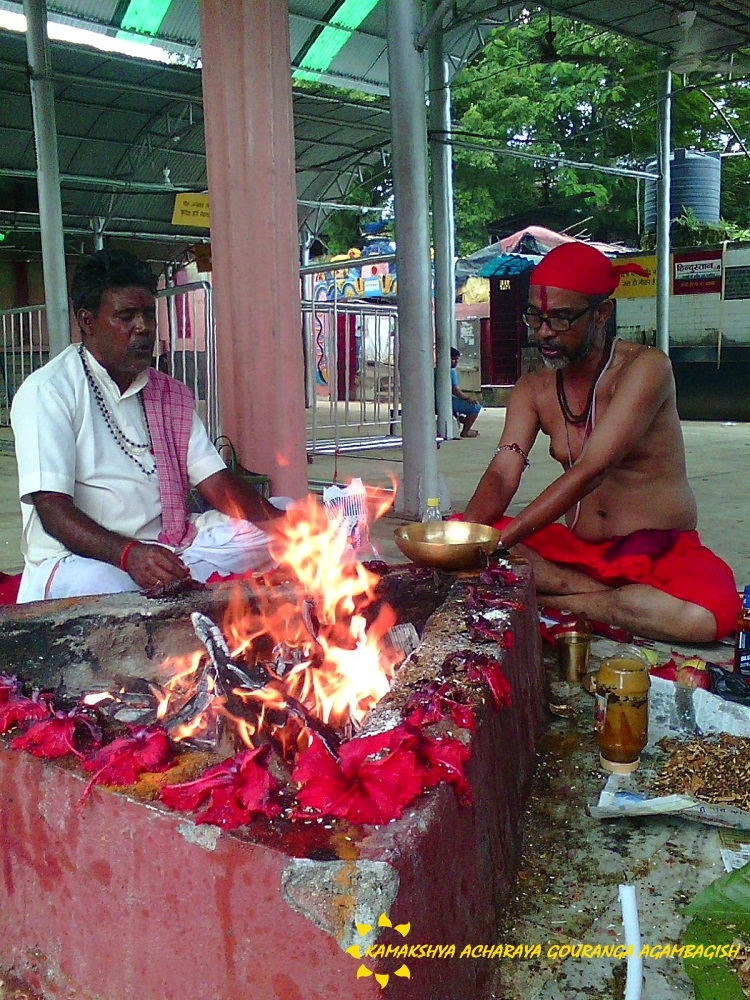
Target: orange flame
(335,665)
(309,631)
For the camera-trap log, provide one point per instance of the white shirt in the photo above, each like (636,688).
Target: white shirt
(63,445)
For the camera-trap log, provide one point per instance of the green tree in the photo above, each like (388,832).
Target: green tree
(588,96)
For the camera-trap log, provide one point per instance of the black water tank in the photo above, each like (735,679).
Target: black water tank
(695,183)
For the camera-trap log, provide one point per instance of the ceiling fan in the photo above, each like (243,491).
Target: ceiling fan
(736,64)
(696,51)
(548,53)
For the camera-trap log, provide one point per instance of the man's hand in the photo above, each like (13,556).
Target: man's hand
(150,565)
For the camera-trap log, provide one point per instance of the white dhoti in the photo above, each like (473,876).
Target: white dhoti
(222,545)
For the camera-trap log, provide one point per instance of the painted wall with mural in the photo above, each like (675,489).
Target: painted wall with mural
(354,278)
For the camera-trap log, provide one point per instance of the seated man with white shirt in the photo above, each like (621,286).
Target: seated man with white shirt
(108,448)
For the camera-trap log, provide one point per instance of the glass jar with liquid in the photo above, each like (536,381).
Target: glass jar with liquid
(621,713)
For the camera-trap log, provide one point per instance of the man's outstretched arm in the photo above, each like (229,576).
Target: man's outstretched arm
(498,485)
(148,564)
(233,496)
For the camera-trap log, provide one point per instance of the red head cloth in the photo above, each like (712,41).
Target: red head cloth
(579,267)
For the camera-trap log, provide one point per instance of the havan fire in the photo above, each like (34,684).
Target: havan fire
(300,657)
(265,717)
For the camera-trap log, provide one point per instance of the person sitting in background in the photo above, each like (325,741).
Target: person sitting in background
(465,409)
(628,553)
(108,449)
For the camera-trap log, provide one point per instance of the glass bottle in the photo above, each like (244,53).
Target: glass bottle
(432,511)
(621,712)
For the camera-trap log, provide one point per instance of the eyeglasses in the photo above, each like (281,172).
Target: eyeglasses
(558,324)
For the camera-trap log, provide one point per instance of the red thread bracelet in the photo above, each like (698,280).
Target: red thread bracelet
(125,553)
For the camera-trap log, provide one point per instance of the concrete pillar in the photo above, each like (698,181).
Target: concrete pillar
(409,158)
(441,159)
(247,93)
(48,176)
(663,275)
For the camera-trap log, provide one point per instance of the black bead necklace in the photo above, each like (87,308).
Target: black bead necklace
(580,418)
(121,439)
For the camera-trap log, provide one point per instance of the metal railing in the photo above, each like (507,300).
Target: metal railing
(351,353)
(23,349)
(186,345)
(352,390)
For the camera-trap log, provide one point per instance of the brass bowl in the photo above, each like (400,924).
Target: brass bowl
(449,545)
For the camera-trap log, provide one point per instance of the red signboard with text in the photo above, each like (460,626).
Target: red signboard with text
(697,272)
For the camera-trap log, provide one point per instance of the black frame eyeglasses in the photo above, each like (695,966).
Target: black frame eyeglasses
(557,324)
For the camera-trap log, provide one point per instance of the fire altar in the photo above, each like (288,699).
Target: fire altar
(118,896)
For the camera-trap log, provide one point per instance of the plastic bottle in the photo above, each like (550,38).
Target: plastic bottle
(742,639)
(432,511)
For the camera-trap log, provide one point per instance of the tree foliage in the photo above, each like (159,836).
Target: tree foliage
(597,103)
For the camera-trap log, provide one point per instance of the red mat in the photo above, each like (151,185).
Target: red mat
(9,588)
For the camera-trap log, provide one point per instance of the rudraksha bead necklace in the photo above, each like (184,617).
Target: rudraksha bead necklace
(122,441)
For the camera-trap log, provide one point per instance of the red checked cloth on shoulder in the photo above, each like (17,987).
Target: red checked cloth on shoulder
(672,561)
(169,407)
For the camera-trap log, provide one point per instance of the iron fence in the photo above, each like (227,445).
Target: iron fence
(351,363)
(352,390)
(23,347)
(186,345)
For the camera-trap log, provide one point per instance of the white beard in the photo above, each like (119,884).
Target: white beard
(565,360)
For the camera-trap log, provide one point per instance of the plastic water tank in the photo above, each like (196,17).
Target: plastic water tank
(695,183)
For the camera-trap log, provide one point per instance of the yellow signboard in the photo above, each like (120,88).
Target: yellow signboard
(192,210)
(633,286)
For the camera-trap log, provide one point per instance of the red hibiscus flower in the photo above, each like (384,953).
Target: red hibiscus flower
(55,737)
(122,760)
(479,667)
(237,789)
(433,702)
(445,759)
(372,780)
(15,709)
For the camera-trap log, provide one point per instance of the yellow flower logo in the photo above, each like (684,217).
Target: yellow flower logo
(354,951)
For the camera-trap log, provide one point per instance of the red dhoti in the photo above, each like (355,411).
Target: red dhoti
(672,561)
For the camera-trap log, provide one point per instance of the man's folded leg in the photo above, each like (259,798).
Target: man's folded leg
(234,547)
(73,576)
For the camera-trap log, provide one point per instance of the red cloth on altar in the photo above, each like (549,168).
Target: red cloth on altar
(9,588)
(672,561)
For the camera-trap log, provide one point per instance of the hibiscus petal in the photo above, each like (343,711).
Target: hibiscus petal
(321,777)
(8,686)
(463,716)
(50,738)
(17,709)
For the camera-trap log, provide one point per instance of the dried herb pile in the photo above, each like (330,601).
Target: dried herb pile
(741,966)
(715,770)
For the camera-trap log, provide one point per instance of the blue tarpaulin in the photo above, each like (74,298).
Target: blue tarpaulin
(506,265)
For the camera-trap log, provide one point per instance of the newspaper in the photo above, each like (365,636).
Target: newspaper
(683,713)
(735,851)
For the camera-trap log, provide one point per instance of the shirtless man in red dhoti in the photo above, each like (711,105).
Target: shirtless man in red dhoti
(628,553)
